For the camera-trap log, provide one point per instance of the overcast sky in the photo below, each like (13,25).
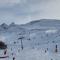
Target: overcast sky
(23,11)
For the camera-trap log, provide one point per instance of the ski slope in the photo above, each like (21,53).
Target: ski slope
(38,39)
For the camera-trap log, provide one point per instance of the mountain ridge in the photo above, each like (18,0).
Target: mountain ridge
(37,24)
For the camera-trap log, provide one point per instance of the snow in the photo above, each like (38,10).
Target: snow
(39,40)
(51,31)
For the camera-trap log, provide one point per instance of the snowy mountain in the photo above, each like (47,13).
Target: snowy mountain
(32,41)
(3,27)
(39,24)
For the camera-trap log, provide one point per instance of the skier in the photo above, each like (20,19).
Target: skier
(13,58)
(5,51)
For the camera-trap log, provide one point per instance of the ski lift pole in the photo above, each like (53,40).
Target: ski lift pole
(21,44)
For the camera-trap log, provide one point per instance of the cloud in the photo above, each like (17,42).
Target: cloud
(22,11)
(9,1)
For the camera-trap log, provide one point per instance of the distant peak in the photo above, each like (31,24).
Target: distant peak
(3,24)
(12,24)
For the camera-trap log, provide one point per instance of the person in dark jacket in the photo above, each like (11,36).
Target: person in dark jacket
(13,58)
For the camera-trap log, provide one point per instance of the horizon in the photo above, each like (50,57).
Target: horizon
(31,21)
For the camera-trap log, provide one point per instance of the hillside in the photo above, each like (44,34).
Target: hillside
(32,41)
